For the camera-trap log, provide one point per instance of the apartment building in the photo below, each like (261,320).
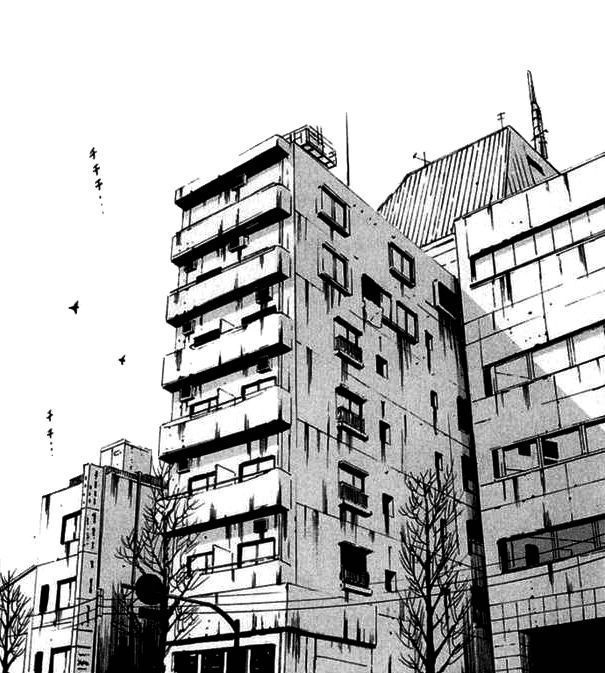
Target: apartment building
(317,360)
(78,623)
(428,201)
(532,274)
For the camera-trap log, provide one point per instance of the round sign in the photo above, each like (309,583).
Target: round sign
(149,589)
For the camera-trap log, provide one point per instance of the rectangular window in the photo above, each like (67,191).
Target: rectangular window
(520,457)
(428,344)
(349,410)
(390,581)
(382,367)
(350,475)
(407,321)
(511,373)
(464,414)
(250,389)
(202,482)
(70,528)
(353,565)
(384,432)
(213,661)
(66,593)
(595,437)
(38,662)
(388,511)
(434,407)
(44,594)
(589,344)
(59,660)
(346,340)
(333,211)
(186,662)
(255,552)
(335,268)
(201,563)
(468,474)
(402,265)
(262,659)
(551,358)
(253,467)
(445,299)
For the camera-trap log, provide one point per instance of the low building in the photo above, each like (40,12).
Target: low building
(77,624)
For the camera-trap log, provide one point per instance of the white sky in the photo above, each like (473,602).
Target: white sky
(169,91)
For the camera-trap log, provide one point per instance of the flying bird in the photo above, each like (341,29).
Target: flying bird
(74,307)
(122,360)
(49,415)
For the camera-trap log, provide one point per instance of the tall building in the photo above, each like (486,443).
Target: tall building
(430,199)
(77,624)
(317,360)
(532,273)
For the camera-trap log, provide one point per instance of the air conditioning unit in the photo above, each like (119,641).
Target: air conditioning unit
(445,300)
(238,243)
(264,295)
(260,526)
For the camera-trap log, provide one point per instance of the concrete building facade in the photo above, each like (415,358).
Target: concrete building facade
(317,360)
(75,625)
(532,274)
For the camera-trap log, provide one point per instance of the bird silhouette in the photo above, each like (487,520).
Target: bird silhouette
(122,360)
(74,307)
(49,415)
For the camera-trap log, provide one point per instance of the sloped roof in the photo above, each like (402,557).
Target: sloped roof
(429,199)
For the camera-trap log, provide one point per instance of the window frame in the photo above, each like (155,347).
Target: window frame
(255,543)
(327,211)
(72,515)
(397,270)
(331,276)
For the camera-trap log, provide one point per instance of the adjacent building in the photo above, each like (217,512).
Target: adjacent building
(79,623)
(532,273)
(318,358)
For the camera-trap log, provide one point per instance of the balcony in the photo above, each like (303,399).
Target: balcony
(233,351)
(261,269)
(351,422)
(348,350)
(355,578)
(269,205)
(228,424)
(353,495)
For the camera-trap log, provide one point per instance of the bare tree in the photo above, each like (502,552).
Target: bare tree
(153,548)
(15,614)
(435,599)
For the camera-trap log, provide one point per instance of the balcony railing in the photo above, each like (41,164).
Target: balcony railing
(350,420)
(349,349)
(353,495)
(356,578)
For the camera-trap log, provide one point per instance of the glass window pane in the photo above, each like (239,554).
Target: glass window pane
(521,457)
(595,436)
(561,446)
(484,266)
(544,243)
(577,539)
(562,234)
(511,373)
(525,249)
(503,258)
(553,358)
(589,345)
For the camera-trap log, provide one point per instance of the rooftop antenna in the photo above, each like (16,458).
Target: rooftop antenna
(421,158)
(501,119)
(539,132)
(347,148)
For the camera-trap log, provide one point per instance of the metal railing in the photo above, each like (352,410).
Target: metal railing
(346,417)
(342,344)
(357,578)
(353,494)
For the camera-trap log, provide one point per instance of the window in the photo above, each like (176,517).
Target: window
(186,662)
(382,367)
(66,590)
(468,473)
(253,467)
(213,661)
(38,660)
(349,410)
(70,528)
(445,299)
(557,543)
(201,563)
(333,211)
(434,408)
(390,581)
(402,265)
(353,566)
(186,392)
(464,414)
(428,344)
(190,266)
(187,327)
(251,388)
(348,515)
(59,660)
(372,292)
(346,341)
(44,594)
(384,433)
(335,268)
(255,552)
(407,321)
(388,511)
(262,659)
(473,536)
(438,463)
(202,482)
(352,476)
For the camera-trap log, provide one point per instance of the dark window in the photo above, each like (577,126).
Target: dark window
(371,291)
(402,265)
(464,414)
(434,408)
(212,661)
(334,267)
(185,662)
(550,451)
(353,565)
(438,465)
(38,659)
(44,593)
(446,299)
(532,555)
(384,432)
(468,473)
(262,658)
(382,367)
(428,344)
(496,463)
(346,341)
(388,511)
(390,581)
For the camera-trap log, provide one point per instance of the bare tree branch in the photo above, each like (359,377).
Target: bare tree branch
(15,614)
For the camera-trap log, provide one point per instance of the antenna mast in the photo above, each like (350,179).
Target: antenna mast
(539,137)
(347,148)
